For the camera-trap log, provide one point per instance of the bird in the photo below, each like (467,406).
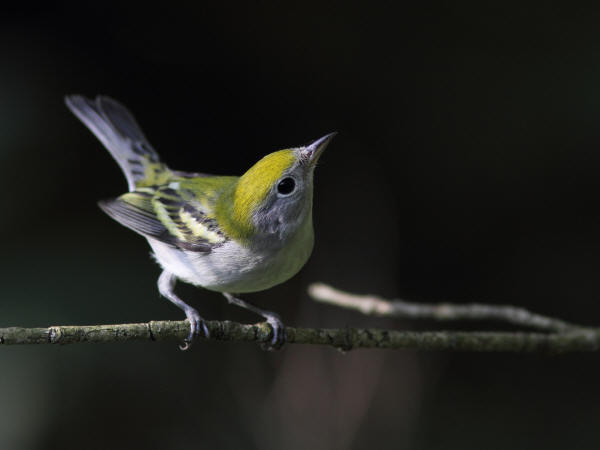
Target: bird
(229,234)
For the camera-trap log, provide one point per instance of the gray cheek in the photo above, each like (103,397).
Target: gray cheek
(270,220)
(279,218)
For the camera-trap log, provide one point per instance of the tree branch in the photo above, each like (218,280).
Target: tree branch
(441,312)
(559,337)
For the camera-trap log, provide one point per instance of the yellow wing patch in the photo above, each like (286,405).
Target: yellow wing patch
(166,218)
(198,228)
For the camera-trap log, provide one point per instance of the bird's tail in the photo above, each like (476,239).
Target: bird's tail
(116,128)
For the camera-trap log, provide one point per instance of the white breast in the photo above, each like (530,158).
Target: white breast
(234,268)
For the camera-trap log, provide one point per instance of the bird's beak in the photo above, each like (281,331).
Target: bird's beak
(311,153)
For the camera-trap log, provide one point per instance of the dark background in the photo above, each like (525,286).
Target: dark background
(465,170)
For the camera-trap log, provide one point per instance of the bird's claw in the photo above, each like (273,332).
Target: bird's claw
(197,326)
(278,328)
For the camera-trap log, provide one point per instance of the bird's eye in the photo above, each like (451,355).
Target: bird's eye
(286,186)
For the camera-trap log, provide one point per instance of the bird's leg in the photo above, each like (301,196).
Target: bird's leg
(166,286)
(272,319)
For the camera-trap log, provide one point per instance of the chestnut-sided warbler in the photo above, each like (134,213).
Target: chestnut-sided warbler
(224,233)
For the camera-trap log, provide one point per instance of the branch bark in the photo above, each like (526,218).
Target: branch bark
(559,336)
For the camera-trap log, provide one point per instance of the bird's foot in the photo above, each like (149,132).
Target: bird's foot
(278,328)
(278,339)
(197,327)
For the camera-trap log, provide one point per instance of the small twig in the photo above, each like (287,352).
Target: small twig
(376,306)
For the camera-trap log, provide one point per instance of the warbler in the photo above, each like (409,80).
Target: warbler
(224,233)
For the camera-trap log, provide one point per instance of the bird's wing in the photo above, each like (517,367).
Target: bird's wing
(169,214)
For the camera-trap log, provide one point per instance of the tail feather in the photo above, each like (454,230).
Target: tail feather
(116,128)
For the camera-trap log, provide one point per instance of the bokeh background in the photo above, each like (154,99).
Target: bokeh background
(466,169)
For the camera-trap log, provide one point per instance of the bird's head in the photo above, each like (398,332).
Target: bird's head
(273,199)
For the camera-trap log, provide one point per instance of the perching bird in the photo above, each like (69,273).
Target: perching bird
(224,233)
